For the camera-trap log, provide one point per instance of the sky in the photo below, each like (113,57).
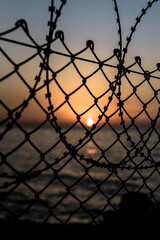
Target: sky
(80,21)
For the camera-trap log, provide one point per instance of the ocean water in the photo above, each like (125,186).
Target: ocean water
(70,190)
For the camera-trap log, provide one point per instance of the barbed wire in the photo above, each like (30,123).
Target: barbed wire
(138,154)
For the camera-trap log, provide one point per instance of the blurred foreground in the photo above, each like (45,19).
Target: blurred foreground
(137,219)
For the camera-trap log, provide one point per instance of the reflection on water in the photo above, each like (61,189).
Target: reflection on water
(91,149)
(71,190)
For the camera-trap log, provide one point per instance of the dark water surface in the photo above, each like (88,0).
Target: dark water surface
(68,192)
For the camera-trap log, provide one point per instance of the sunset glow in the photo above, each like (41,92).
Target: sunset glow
(90,122)
(81,88)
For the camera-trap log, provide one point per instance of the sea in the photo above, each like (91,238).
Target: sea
(41,181)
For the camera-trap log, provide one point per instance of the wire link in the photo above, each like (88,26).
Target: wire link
(138,153)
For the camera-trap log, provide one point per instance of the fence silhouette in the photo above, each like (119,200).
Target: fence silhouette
(33,183)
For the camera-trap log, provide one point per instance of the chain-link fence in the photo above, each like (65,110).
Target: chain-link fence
(59,169)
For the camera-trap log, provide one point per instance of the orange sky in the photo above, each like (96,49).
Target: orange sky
(13,91)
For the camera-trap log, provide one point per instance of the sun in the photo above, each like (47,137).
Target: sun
(89,122)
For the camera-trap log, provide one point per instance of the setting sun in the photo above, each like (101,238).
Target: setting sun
(90,122)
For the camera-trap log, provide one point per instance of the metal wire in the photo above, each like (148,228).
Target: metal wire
(138,155)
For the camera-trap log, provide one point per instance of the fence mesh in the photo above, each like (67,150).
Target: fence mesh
(59,172)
